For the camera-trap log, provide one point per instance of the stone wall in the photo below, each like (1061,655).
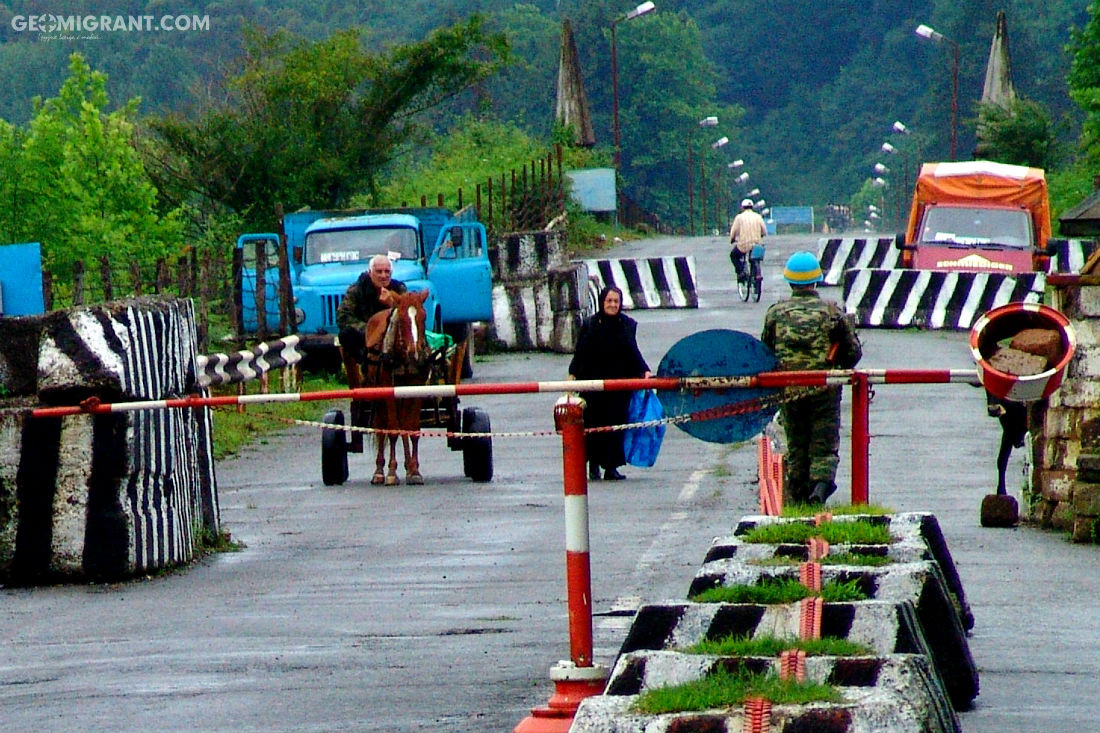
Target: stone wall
(101,496)
(1064,490)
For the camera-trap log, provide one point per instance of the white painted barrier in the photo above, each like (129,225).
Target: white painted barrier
(652,282)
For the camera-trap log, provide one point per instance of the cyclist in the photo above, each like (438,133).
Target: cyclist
(748,229)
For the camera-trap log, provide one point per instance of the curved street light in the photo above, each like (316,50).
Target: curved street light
(927,32)
(646,7)
(709,121)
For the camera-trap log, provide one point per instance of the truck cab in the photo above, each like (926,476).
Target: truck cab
(430,248)
(977,216)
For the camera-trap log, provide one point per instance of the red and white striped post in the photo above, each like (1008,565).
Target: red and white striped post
(576,678)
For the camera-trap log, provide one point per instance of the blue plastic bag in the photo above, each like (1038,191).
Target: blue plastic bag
(641,445)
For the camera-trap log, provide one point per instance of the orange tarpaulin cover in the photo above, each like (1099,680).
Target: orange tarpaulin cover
(978,182)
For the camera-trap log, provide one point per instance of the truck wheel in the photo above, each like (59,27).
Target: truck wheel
(477,453)
(334,450)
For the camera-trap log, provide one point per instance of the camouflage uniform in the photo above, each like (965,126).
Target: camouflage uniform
(800,330)
(359,304)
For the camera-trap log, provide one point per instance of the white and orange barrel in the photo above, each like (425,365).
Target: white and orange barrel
(1002,323)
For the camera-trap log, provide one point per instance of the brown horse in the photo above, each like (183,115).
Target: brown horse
(397,355)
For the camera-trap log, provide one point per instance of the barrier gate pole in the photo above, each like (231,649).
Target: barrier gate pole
(578,677)
(861,438)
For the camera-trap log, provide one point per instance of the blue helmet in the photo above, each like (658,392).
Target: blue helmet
(802,268)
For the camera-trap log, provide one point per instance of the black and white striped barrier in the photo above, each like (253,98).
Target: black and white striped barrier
(542,313)
(897,298)
(1070,254)
(241,366)
(104,496)
(652,282)
(837,255)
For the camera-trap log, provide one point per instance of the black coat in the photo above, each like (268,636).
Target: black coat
(607,348)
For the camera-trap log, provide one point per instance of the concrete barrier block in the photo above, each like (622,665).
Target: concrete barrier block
(526,255)
(884,694)
(1085,363)
(106,496)
(921,583)
(654,282)
(1077,394)
(917,537)
(19,337)
(1060,422)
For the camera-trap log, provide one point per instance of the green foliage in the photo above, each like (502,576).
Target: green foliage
(1069,187)
(772,646)
(857,532)
(1084,81)
(208,542)
(1022,134)
(233,430)
(471,153)
(74,182)
(780,590)
(843,558)
(838,510)
(313,123)
(723,688)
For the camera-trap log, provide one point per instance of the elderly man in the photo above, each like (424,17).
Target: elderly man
(369,294)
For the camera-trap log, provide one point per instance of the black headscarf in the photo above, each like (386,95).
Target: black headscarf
(607,346)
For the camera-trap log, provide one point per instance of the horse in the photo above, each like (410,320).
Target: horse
(397,355)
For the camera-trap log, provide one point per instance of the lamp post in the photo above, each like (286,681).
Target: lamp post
(719,143)
(925,31)
(646,7)
(705,122)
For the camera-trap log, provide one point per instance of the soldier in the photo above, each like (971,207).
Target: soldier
(806,332)
(366,296)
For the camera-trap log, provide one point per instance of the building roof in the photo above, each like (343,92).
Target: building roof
(1082,220)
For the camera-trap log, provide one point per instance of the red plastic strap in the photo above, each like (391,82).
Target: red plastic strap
(758,715)
(810,621)
(809,574)
(817,548)
(792,665)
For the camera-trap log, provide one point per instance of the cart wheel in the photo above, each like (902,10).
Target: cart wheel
(334,450)
(477,453)
(454,425)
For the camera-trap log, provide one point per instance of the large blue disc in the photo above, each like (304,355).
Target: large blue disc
(718,353)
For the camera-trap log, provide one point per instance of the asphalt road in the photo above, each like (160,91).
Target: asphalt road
(442,607)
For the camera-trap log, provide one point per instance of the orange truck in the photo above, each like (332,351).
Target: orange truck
(978,216)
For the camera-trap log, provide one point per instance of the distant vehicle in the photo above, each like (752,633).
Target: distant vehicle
(978,216)
(432,249)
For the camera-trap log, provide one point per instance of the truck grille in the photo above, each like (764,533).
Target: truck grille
(329,304)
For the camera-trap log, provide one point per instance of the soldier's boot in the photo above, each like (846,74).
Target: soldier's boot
(822,490)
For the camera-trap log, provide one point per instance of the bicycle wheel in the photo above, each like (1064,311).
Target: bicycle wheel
(744,286)
(757,280)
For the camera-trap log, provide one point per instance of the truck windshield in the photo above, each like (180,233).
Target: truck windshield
(976,227)
(356,245)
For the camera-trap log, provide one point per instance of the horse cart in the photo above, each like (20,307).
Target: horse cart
(443,366)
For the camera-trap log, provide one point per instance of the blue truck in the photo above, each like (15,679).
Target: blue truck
(432,249)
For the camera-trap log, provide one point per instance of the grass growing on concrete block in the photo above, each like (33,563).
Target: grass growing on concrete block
(723,689)
(780,590)
(810,510)
(835,533)
(743,645)
(843,558)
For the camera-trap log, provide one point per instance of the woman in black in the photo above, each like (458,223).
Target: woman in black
(607,348)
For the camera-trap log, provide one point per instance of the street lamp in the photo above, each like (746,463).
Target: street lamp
(710,121)
(881,169)
(646,7)
(703,182)
(926,32)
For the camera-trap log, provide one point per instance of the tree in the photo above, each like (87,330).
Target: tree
(1084,81)
(1022,134)
(312,123)
(76,183)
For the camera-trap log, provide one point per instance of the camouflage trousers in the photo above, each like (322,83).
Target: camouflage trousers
(812,428)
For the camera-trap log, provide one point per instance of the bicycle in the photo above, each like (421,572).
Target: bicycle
(751,284)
